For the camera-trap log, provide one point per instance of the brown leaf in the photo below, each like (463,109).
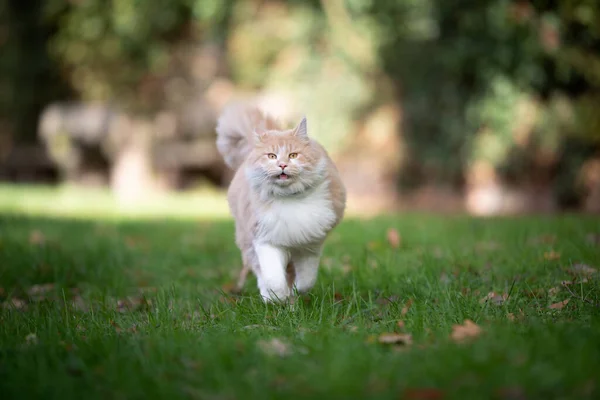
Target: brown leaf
(394,238)
(79,304)
(468,329)
(133,303)
(36,237)
(14,303)
(395,338)
(560,305)
(116,326)
(551,255)
(536,293)
(497,299)
(400,324)
(553,291)
(511,393)
(275,347)
(40,292)
(423,394)
(593,238)
(543,239)
(582,269)
(487,246)
(31,339)
(229,287)
(406,307)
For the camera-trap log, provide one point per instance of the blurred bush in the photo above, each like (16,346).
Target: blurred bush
(492,95)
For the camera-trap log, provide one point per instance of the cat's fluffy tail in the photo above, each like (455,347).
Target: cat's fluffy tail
(235,131)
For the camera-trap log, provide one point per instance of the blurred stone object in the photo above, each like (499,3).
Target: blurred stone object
(486,194)
(369,166)
(589,180)
(135,154)
(72,134)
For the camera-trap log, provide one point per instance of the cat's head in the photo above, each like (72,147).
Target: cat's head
(285,162)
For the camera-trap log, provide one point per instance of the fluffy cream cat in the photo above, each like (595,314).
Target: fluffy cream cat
(285,197)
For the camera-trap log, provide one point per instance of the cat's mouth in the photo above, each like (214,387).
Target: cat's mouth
(283,177)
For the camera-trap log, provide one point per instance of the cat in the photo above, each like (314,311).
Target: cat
(285,197)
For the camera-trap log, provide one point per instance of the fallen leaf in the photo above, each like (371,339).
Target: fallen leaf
(36,237)
(511,393)
(31,339)
(406,307)
(15,303)
(257,326)
(497,299)
(79,304)
(132,303)
(593,239)
(468,329)
(444,278)
(116,326)
(551,255)
(560,305)
(275,347)
(536,293)
(543,239)
(487,246)
(395,338)
(582,269)
(423,394)
(40,292)
(553,291)
(394,238)
(229,287)
(400,324)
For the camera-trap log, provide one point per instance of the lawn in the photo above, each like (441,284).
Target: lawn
(127,308)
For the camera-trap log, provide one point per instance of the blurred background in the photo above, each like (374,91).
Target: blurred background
(484,106)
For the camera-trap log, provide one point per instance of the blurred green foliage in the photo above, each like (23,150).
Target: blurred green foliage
(514,84)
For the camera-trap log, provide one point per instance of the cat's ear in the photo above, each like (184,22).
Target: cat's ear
(259,134)
(301,130)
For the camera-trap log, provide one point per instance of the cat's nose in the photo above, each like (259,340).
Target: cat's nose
(282,166)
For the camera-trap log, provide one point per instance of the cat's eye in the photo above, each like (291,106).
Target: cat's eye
(272,156)
(293,155)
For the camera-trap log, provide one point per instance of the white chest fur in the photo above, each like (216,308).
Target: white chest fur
(293,222)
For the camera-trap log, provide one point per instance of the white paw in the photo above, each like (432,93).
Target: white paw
(275,294)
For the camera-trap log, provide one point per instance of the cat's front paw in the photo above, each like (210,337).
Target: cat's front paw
(275,294)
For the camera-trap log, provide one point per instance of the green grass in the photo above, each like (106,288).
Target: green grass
(184,336)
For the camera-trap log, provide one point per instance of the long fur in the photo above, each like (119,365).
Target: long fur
(286,196)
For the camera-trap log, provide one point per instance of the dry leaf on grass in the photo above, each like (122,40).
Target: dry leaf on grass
(31,339)
(395,338)
(406,307)
(133,304)
(394,238)
(553,291)
(14,303)
(582,270)
(274,347)
(560,305)
(40,292)
(495,298)
(401,324)
(511,393)
(467,330)
(551,255)
(542,239)
(36,237)
(423,394)
(593,239)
